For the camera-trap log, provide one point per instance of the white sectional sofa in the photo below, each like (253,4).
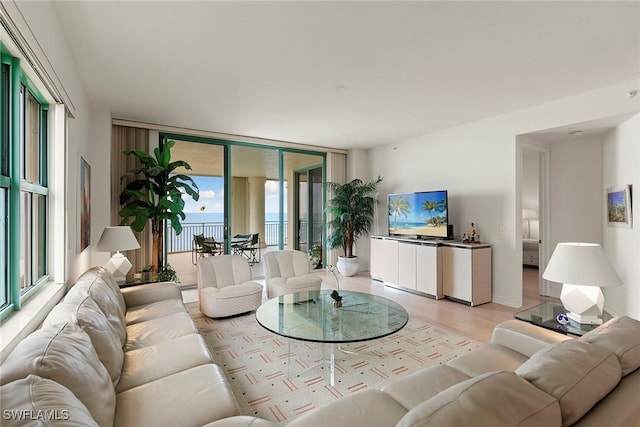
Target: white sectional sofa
(133,357)
(111,357)
(526,377)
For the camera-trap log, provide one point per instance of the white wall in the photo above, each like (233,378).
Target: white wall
(621,160)
(575,191)
(88,133)
(476,163)
(358,166)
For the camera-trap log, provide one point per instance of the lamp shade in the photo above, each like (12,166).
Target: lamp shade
(529,214)
(584,264)
(119,238)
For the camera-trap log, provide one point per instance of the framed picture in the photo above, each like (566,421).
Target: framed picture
(619,206)
(85,204)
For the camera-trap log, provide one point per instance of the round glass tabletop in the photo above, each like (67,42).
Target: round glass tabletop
(311,316)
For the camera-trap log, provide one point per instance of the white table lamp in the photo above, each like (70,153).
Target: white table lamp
(582,268)
(117,239)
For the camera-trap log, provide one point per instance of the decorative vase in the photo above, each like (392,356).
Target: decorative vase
(337,304)
(347,266)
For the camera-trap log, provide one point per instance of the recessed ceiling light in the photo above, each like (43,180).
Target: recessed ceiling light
(632,93)
(576,133)
(341,88)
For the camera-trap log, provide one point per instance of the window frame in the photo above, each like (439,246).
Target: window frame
(13,128)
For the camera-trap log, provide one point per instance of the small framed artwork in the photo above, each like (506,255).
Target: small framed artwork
(85,204)
(619,206)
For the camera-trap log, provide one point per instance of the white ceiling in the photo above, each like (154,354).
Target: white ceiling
(343,74)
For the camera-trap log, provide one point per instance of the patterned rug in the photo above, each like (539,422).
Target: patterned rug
(256,363)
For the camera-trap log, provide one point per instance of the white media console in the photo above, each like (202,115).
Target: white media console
(436,268)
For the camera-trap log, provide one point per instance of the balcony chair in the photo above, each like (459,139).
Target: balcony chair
(249,248)
(238,241)
(287,272)
(225,287)
(203,246)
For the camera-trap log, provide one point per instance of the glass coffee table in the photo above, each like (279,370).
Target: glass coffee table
(311,316)
(545,315)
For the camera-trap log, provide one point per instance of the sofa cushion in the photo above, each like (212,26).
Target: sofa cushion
(619,408)
(411,390)
(90,318)
(135,296)
(491,399)
(189,398)
(100,286)
(524,338)
(154,310)
(488,358)
(365,408)
(64,354)
(155,331)
(620,335)
(166,358)
(576,373)
(34,401)
(233,291)
(241,421)
(304,281)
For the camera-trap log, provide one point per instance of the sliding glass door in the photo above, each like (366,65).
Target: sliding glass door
(309,215)
(208,216)
(247,189)
(306,173)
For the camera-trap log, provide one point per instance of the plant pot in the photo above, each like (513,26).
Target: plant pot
(347,266)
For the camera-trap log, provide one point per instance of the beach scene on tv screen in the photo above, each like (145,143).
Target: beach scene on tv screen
(420,214)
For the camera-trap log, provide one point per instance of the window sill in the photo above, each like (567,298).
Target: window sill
(21,323)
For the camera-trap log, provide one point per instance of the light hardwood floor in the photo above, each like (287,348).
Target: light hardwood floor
(474,322)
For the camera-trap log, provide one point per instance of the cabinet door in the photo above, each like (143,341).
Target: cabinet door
(376,259)
(481,271)
(384,260)
(456,273)
(407,265)
(429,270)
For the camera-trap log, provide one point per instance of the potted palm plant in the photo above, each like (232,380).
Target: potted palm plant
(352,206)
(155,195)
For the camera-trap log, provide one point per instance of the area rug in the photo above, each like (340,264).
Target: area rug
(256,363)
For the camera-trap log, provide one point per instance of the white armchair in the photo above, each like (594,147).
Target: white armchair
(287,272)
(225,287)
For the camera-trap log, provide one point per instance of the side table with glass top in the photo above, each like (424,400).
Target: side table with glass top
(545,315)
(138,279)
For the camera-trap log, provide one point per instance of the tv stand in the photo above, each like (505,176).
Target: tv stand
(435,267)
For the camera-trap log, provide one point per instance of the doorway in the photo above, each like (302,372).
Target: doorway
(535,195)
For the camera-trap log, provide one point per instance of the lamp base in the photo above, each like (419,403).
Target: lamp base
(584,320)
(119,266)
(583,303)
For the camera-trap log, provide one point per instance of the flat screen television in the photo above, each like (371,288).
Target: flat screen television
(422,214)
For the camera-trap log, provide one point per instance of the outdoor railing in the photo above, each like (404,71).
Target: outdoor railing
(184,241)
